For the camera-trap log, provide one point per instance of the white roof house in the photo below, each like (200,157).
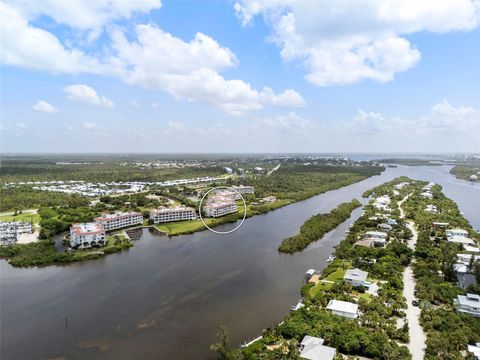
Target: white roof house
(426,195)
(356,277)
(312,348)
(376,234)
(456,232)
(343,308)
(460,240)
(471,248)
(469,304)
(475,350)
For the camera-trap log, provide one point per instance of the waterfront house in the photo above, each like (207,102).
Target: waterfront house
(356,277)
(343,308)
(87,235)
(312,348)
(469,304)
(119,220)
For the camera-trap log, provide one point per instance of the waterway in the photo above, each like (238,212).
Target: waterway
(165,298)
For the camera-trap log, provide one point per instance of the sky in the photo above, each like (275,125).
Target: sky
(240,76)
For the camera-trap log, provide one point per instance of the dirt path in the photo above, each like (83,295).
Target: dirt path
(416,345)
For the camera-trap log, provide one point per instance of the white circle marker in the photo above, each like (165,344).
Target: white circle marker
(244,212)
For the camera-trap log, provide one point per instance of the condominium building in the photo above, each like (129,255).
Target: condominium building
(86,235)
(179,213)
(217,209)
(11,230)
(119,220)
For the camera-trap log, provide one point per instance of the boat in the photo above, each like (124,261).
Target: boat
(299,305)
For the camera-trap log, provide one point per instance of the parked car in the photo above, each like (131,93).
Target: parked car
(414,302)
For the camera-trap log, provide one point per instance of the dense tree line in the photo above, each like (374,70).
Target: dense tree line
(317,226)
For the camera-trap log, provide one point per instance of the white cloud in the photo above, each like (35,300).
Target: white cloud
(82,14)
(288,121)
(176,126)
(43,106)
(190,70)
(84,93)
(134,103)
(30,47)
(154,60)
(343,41)
(154,104)
(90,125)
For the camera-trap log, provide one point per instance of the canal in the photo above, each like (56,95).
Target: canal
(166,297)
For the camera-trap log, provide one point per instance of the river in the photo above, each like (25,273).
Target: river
(166,297)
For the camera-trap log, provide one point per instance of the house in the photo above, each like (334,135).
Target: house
(119,220)
(469,304)
(426,195)
(343,308)
(244,189)
(356,277)
(376,234)
(475,350)
(471,248)
(456,232)
(392,222)
(179,213)
(385,227)
(431,209)
(440,224)
(460,240)
(312,348)
(87,235)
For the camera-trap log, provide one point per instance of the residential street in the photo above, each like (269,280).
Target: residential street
(416,346)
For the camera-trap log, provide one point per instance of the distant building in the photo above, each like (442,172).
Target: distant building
(119,220)
(356,277)
(343,308)
(426,195)
(244,189)
(11,230)
(440,224)
(312,348)
(469,304)
(87,235)
(218,209)
(228,170)
(179,213)
(269,199)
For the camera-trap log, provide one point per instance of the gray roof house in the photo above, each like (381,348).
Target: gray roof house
(469,304)
(312,348)
(356,277)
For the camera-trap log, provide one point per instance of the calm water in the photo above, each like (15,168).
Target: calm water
(165,298)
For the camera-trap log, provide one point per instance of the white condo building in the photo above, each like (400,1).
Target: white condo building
(179,213)
(244,189)
(217,209)
(119,220)
(86,235)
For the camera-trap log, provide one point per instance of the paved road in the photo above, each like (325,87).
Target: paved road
(416,345)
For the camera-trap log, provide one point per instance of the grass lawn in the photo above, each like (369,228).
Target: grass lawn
(365,296)
(337,275)
(25,217)
(321,286)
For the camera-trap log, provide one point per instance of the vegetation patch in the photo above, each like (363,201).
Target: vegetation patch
(317,226)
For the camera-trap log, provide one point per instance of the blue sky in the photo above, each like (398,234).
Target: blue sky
(265,76)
